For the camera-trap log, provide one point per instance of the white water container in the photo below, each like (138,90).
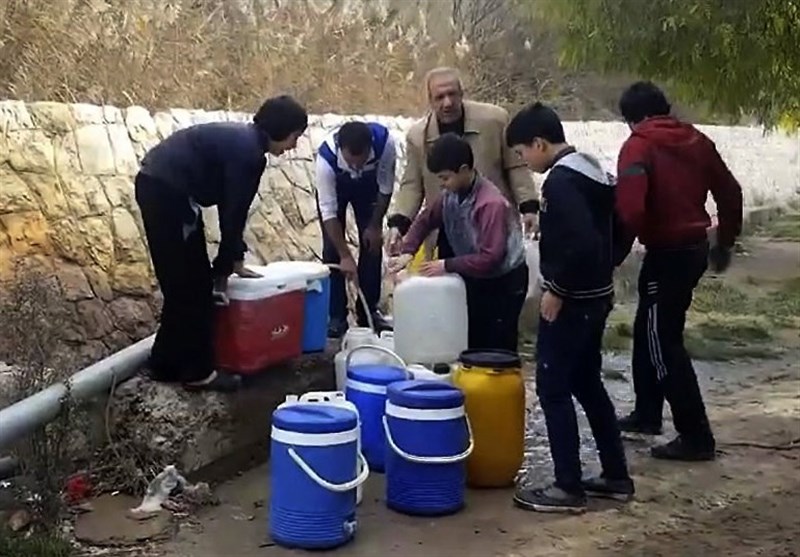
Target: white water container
(430,319)
(353,338)
(422,373)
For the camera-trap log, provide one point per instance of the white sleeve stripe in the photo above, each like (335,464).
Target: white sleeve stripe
(325,184)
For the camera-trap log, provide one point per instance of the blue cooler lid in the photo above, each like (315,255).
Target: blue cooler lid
(314,418)
(425,394)
(376,374)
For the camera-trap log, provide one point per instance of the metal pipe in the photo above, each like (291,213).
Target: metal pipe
(23,417)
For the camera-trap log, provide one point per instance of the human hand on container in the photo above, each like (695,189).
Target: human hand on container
(432,268)
(244,272)
(219,292)
(397,264)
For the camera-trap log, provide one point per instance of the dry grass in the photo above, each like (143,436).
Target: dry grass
(34,318)
(186,53)
(198,54)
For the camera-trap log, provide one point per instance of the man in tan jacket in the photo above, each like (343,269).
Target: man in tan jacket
(483,126)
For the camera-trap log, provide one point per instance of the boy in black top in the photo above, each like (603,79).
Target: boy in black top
(220,164)
(577,264)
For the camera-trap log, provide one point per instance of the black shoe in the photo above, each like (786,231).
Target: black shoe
(550,500)
(618,490)
(680,449)
(632,424)
(222,383)
(337,328)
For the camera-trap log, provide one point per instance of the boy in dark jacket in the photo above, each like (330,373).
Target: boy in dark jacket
(210,164)
(577,253)
(666,170)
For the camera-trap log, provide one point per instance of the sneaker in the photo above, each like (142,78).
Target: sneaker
(679,449)
(618,490)
(550,500)
(632,424)
(337,328)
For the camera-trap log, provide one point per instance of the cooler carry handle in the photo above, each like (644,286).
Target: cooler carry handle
(325,484)
(429,459)
(382,350)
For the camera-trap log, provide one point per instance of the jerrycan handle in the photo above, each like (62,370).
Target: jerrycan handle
(381,349)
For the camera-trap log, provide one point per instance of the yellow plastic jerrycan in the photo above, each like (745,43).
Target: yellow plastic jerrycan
(494,393)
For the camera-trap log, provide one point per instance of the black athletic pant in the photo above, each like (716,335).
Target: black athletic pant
(662,367)
(183,348)
(362,195)
(568,364)
(493,307)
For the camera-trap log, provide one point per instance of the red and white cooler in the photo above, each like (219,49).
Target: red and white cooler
(262,325)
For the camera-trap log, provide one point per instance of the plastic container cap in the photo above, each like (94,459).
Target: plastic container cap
(314,418)
(425,394)
(376,374)
(493,359)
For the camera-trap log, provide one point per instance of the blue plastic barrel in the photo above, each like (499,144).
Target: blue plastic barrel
(366,389)
(317,299)
(428,440)
(313,476)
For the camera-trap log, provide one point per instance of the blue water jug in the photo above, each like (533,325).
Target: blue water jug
(313,475)
(366,389)
(428,440)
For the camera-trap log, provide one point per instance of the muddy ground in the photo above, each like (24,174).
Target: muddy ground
(745,503)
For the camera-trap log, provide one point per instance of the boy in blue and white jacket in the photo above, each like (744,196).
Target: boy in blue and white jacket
(577,249)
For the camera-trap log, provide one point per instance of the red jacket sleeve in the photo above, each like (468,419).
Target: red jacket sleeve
(727,194)
(632,184)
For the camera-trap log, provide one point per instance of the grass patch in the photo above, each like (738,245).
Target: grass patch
(784,227)
(37,545)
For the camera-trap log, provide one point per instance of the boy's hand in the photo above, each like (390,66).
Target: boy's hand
(244,272)
(432,268)
(220,291)
(550,306)
(530,224)
(397,264)
(719,258)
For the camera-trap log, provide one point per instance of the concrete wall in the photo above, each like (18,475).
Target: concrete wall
(66,198)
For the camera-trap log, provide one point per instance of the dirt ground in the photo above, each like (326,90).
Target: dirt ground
(743,504)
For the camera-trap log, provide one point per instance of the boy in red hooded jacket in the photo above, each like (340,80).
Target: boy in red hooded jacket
(666,170)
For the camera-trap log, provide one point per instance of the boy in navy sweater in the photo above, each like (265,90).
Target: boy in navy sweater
(214,164)
(577,263)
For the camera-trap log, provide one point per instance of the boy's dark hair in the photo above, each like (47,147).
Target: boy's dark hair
(450,152)
(535,121)
(280,117)
(356,137)
(642,100)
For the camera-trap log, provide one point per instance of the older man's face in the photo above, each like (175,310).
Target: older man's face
(446,99)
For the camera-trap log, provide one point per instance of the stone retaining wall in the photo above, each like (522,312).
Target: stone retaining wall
(66,199)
